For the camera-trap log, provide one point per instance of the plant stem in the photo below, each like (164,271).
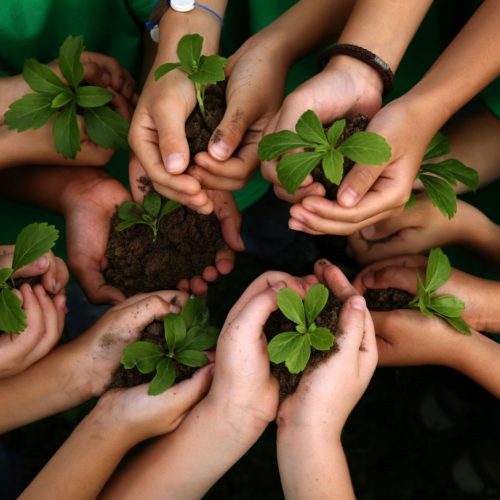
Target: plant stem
(201,104)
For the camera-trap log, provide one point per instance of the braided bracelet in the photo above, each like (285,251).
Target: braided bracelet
(364,55)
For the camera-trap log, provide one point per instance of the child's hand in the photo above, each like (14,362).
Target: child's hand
(481,311)
(417,230)
(44,326)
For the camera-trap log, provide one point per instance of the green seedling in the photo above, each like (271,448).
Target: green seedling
(439,179)
(294,348)
(201,70)
(447,307)
(150,213)
(320,148)
(52,97)
(32,242)
(187,336)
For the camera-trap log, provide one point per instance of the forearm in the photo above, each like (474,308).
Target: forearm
(480,361)
(82,465)
(313,466)
(187,462)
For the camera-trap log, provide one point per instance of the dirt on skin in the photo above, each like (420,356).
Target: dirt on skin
(277,323)
(357,124)
(187,242)
(129,378)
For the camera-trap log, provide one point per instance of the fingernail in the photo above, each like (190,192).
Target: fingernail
(279,286)
(174,163)
(175,308)
(106,79)
(369,279)
(56,286)
(242,244)
(295,225)
(219,150)
(349,197)
(42,261)
(299,216)
(322,263)
(358,303)
(368,232)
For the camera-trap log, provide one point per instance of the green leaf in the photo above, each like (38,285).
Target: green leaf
(12,316)
(164,69)
(210,70)
(367,148)
(5,274)
(106,127)
(164,378)
(169,207)
(321,339)
(310,128)
(441,194)
(273,145)
(315,301)
(411,201)
(42,79)
(31,111)
(281,346)
(152,204)
(335,131)
(130,211)
(189,51)
(459,324)
(452,171)
(447,305)
(291,305)
(300,353)
(32,242)
(438,146)
(121,226)
(61,100)
(195,312)
(66,132)
(438,270)
(333,166)
(190,357)
(69,60)
(294,168)
(175,331)
(93,97)
(143,355)
(200,339)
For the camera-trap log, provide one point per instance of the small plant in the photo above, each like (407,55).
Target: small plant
(439,179)
(320,148)
(150,213)
(187,335)
(31,243)
(294,348)
(52,97)
(447,307)
(202,70)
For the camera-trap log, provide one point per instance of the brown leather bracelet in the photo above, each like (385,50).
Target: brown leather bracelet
(364,55)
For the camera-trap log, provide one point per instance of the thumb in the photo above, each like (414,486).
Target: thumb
(353,316)
(36,268)
(392,277)
(357,183)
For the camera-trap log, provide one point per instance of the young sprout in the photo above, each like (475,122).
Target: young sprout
(320,148)
(32,242)
(150,213)
(447,307)
(294,347)
(439,179)
(53,97)
(187,336)
(201,70)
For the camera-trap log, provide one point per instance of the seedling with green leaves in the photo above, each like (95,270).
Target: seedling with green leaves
(439,179)
(447,307)
(53,97)
(187,336)
(31,243)
(150,213)
(201,70)
(320,148)
(294,348)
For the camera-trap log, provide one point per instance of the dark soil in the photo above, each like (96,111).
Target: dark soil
(387,299)
(129,378)
(32,281)
(277,323)
(357,124)
(187,242)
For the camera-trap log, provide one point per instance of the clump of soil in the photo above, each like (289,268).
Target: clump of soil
(387,299)
(186,243)
(153,333)
(277,323)
(32,281)
(357,124)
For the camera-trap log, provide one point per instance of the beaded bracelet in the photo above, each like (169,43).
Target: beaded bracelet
(364,55)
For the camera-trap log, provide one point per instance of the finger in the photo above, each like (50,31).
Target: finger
(175,298)
(61,275)
(210,274)
(210,181)
(387,227)
(298,226)
(335,279)
(49,280)
(352,327)
(392,277)
(37,268)
(357,183)
(61,309)
(308,189)
(121,105)
(198,201)
(224,261)
(238,167)
(198,286)
(6,256)
(35,323)
(228,213)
